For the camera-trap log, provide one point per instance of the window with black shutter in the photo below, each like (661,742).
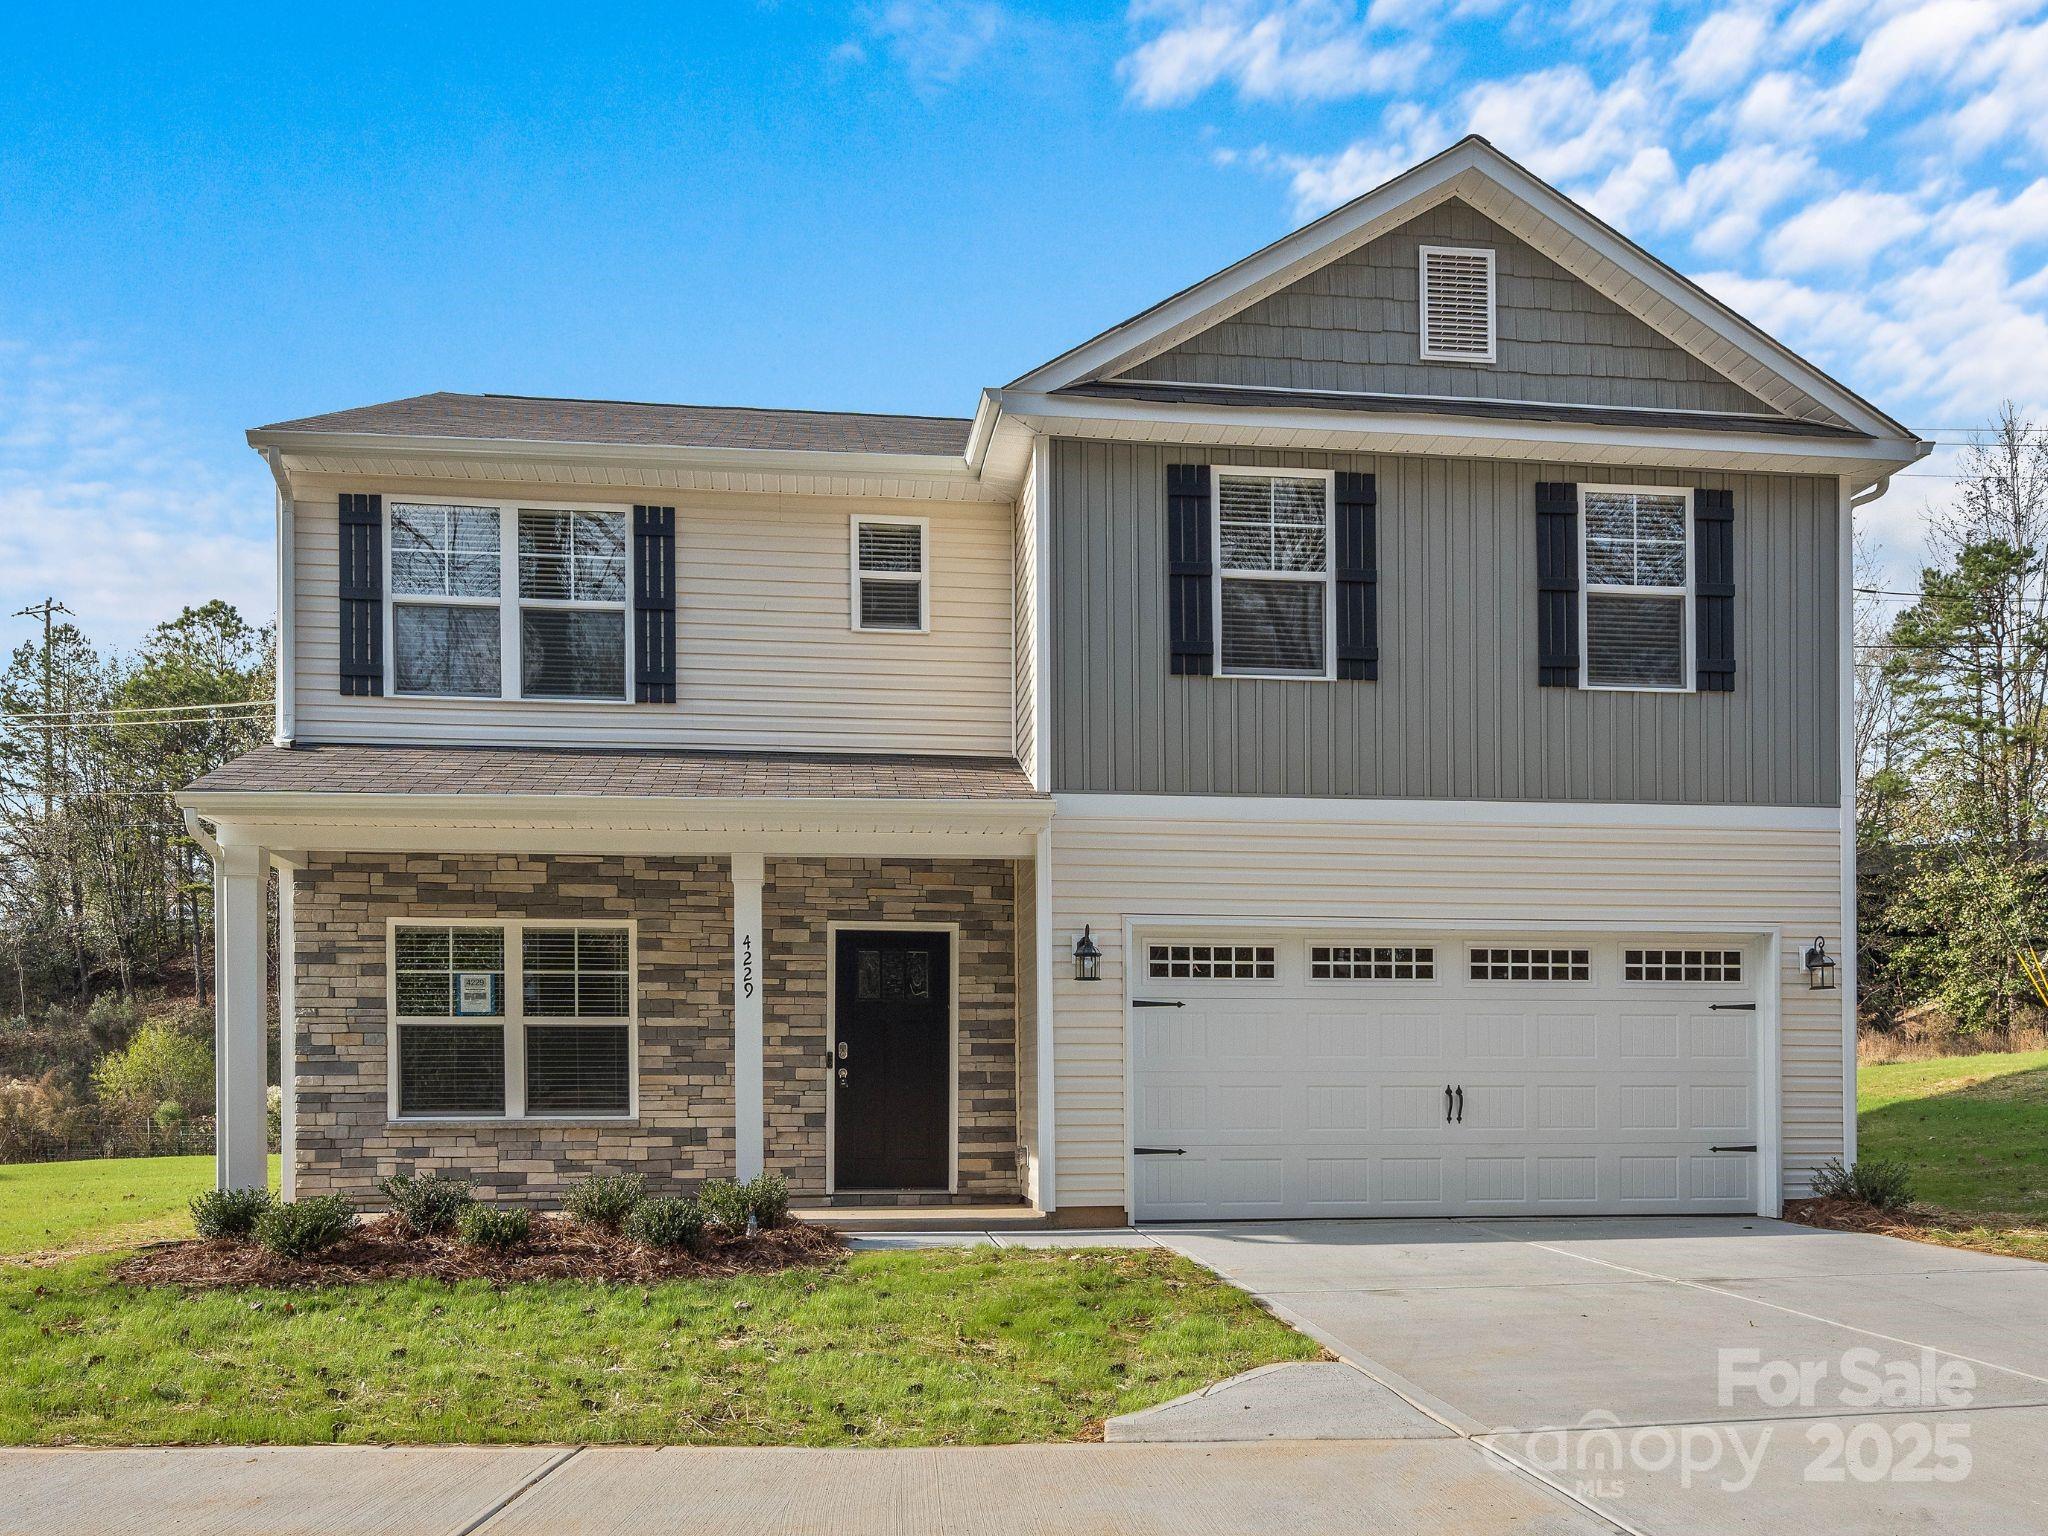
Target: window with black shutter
(1636,629)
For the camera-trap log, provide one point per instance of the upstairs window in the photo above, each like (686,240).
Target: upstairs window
(891,589)
(445,581)
(498,601)
(1273,572)
(1457,304)
(572,605)
(1637,568)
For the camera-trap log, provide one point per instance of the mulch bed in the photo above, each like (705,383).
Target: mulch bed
(1912,1223)
(557,1250)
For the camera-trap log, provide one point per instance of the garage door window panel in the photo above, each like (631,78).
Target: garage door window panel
(1526,964)
(1694,966)
(1211,962)
(1371,962)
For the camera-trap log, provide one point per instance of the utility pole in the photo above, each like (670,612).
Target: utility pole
(47,610)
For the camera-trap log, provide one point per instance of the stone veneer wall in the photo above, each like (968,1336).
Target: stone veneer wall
(800,897)
(683,907)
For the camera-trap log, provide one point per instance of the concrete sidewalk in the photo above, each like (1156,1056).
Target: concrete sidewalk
(1326,1488)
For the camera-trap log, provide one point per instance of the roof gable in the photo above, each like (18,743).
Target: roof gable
(1352,326)
(1517,202)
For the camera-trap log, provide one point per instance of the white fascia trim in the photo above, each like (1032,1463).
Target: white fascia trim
(1211,299)
(1845,568)
(696,813)
(400,448)
(1601,814)
(286,683)
(1379,431)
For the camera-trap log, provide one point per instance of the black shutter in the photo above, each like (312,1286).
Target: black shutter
(362,594)
(654,605)
(1358,560)
(1713,544)
(1557,585)
(1189,568)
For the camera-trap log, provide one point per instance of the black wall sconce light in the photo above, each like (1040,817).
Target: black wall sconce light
(1087,957)
(1820,967)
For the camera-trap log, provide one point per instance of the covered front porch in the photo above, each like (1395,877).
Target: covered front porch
(829,969)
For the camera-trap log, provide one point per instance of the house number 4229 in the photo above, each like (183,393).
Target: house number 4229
(746,965)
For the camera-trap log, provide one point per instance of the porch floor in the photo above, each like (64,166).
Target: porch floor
(859,1219)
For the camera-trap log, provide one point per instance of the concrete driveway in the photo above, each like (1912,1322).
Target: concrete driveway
(1691,1374)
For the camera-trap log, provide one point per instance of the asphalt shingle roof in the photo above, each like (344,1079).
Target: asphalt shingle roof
(487,771)
(531,419)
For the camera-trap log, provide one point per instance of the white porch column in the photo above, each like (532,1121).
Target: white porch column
(749,1092)
(1046,1194)
(287,1036)
(241,942)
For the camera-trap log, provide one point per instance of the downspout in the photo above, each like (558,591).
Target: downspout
(286,726)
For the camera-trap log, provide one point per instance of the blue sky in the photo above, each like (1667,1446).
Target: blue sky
(216,218)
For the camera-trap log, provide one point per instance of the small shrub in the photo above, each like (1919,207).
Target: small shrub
(169,1116)
(229,1212)
(490,1226)
(666,1222)
(111,1019)
(273,1116)
(725,1204)
(604,1200)
(39,1117)
(426,1203)
(294,1229)
(1875,1181)
(767,1198)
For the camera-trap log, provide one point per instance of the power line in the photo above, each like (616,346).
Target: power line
(151,709)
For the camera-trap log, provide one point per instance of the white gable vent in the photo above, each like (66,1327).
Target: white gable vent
(1457,304)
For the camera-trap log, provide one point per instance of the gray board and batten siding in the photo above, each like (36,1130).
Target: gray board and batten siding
(1354,325)
(1457,712)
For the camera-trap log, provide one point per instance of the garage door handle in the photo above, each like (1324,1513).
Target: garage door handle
(1731,1007)
(1160,1151)
(1447,1103)
(1750,1148)
(1157,1002)
(1461,1103)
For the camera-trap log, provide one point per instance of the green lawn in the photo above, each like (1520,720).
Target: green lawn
(1974,1130)
(934,1347)
(99,1202)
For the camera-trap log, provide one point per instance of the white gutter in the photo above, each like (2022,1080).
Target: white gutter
(287,602)
(205,839)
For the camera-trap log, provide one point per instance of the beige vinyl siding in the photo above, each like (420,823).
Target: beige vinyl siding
(1110,865)
(1354,325)
(766,654)
(1025,560)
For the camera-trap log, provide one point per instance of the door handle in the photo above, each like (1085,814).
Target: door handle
(1447,1103)
(842,1077)
(1461,1103)
(1159,1151)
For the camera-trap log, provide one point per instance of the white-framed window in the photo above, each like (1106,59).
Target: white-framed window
(451,631)
(512,1019)
(446,577)
(1275,616)
(1211,962)
(1635,578)
(892,574)
(1457,292)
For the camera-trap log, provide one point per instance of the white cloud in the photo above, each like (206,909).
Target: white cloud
(1844,232)
(1724,47)
(1408,135)
(1269,50)
(933,42)
(1560,123)
(99,511)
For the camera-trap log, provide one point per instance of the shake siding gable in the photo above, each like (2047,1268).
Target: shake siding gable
(1355,325)
(766,655)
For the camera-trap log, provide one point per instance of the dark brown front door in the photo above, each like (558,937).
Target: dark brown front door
(893,1060)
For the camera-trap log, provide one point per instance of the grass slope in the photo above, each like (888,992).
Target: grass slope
(1974,1130)
(935,1347)
(98,1202)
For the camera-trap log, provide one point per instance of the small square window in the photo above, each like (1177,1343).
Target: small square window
(1371,962)
(1514,963)
(1682,965)
(1211,962)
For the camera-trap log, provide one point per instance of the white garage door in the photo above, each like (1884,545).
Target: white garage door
(1346,1075)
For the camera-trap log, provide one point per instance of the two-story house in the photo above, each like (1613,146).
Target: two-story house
(1365,736)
